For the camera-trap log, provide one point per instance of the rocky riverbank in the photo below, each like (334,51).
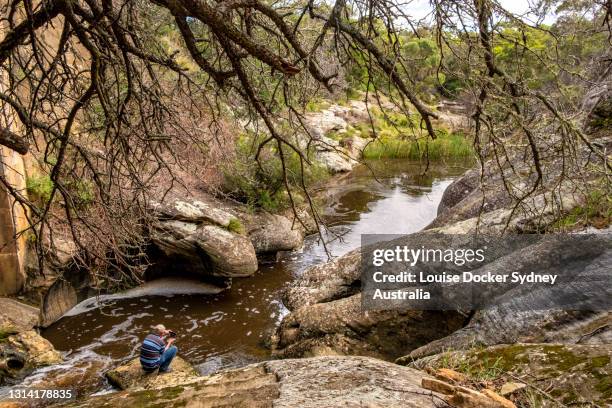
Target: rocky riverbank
(197,235)
(496,352)
(22,349)
(494,377)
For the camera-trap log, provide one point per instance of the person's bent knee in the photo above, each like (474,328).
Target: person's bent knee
(174,348)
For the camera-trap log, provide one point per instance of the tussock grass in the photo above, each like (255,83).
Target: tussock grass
(446,146)
(235,226)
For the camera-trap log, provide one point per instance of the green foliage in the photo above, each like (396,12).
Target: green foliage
(235,226)
(396,138)
(597,211)
(316,105)
(485,369)
(263,184)
(82,192)
(39,188)
(451,87)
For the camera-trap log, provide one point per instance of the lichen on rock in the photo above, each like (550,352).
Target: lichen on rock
(131,376)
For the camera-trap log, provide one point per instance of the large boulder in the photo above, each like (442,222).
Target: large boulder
(15,315)
(21,348)
(309,383)
(273,233)
(205,250)
(340,327)
(209,238)
(131,376)
(23,352)
(326,314)
(336,156)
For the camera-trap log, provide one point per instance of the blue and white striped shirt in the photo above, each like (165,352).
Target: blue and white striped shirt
(151,351)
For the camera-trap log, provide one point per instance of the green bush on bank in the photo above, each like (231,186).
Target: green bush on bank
(39,188)
(235,226)
(262,184)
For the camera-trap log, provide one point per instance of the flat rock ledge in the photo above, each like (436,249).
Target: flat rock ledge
(131,376)
(306,383)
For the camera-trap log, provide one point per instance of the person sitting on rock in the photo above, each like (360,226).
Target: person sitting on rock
(156,352)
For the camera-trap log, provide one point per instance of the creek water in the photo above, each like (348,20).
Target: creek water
(229,329)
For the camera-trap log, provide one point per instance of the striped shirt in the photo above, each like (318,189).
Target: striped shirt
(151,351)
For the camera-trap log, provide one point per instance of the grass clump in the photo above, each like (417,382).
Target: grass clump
(486,368)
(596,211)
(316,105)
(445,146)
(399,136)
(82,192)
(235,226)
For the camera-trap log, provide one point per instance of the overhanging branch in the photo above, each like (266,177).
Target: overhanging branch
(13,141)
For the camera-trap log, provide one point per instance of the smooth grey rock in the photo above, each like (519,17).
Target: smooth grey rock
(193,211)
(206,250)
(17,315)
(273,233)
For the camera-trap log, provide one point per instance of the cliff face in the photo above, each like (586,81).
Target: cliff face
(12,221)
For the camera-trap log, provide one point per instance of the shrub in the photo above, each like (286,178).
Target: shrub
(39,188)
(235,226)
(596,211)
(262,184)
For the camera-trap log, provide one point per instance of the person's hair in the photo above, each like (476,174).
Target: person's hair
(160,328)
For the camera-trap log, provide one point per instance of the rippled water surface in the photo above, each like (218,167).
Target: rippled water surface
(229,329)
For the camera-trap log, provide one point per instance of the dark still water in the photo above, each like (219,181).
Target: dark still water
(228,329)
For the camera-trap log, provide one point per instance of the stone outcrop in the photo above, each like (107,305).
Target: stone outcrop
(17,316)
(23,352)
(326,309)
(208,238)
(207,250)
(21,348)
(342,155)
(309,383)
(273,233)
(131,376)
(573,374)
